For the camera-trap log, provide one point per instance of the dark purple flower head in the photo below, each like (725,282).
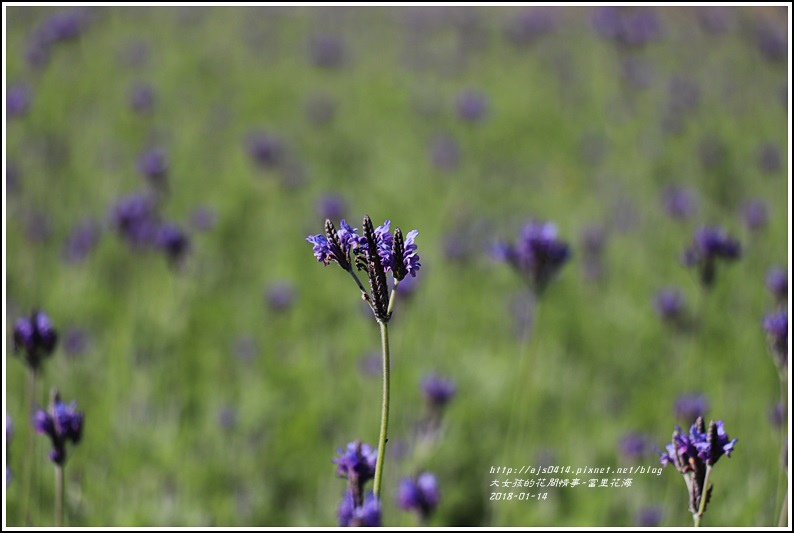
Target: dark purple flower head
(82,240)
(331,207)
(438,390)
(64,26)
(327,51)
(708,245)
(679,203)
(528,26)
(776,327)
(755,215)
(772,42)
(36,336)
(280,296)
(688,407)
(62,423)
(17,100)
(141,98)
(356,460)
(136,219)
(628,27)
(419,494)
(366,515)
(649,516)
(633,446)
(777,283)
(265,148)
(153,165)
(538,254)
(173,241)
(769,158)
(713,443)
(445,153)
(669,304)
(472,106)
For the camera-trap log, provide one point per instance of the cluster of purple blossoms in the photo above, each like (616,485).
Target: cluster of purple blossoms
(694,454)
(631,27)
(17,100)
(376,252)
(36,336)
(776,327)
(777,283)
(62,423)
(82,240)
(529,26)
(755,215)
(670,306)
(356,463)
(419,494)
(472,106)
(265,148)
(537,255)
(708,245)
(61,27)
(679,203)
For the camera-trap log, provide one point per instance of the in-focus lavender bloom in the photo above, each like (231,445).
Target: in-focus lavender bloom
(769,158)
(777,415)
(420,495)
(330,207)
(327,51)
(537,255)
(445,153)
(173,241)
(335,246)
(472,106)
(689,407)
(777,283)
(438,390)
(633,446)
(693,455)
(153,165)
(679,203)
(321,109)
(141,98)
(368,514)
(62,423)
(202,218)
(627,26)
(755,215)
(592,239)
(280,296)
(772,42)
(265,148)
(36,336)
(76,341)
(528,26)
(82,240)
(17,100)
(710,244)
(776,327)
(136,219)
(670,306)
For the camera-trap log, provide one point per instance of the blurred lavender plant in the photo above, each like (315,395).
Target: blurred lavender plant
(472,106)
(777,283)
(420,495)
(694,455)
(174,242)
(81,241)
(670,306)
(592,240)
(136,219)
(330,206)
(365,515)
(62,423)
(265,148)
(140,98)
(650,516)
(153,166)
(708,245)
(525,28)
(60,27)
(280,296)
(633,446)
(36,338)
(689,407)
(17,100)
(755,215)
(376,252)
(679,203)
(772,42)
(776,327)
(438,391)
(327,51)
(627,27)
(357,463)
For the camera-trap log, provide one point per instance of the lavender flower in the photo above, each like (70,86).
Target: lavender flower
(280,296)
(81,241)
(708,245)
(529,26)
(679,203)
(689,407)
(62,423)
(776,327)
(438,390)
(627,27)
(772,42)
(367,514)
(670,306)
(472,106)
(650,516)
(327,51)
(173,241)
(419,494)
(537,255)
(141,98)
(17,100)
(633,446)
(153,165)
(36,336)
(330,206)
(266,149)
(754,213)
(356,460)
(136,220)
(777,283)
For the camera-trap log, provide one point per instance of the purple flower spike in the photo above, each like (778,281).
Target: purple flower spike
(420,495)
(679,203)
(472,106)
(537,255)
(366,515)
(62,423)
(173,241)
(709,245)
(688,407)
(36,336)
(266,149)
(777,283)
(438,391)
(356,460)
(17,100)
(136,220)
(755,215)
(776,327)
(153,165)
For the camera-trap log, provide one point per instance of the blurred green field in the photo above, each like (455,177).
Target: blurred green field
(205,406)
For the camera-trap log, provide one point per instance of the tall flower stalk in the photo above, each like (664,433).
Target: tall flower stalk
(377,252)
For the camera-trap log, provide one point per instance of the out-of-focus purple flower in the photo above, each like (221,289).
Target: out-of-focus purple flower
(330,207)
(38,227)
(227,418)
(265,148)
(438,390)
(75,341)
(680,203)
(36,336)
(420,495)
(537,255)
(708,245)
(776,327)
(64,26)
(356,460)
(17,100)
(715,19)
(669,305)
(472,106)
(153,165)
(62,423)
(769,158)
(650,516)
(777,415)
(82,240)
(772,42)
(777,283)
(321,109)
(528,26)
(368,514)
(141,98)
(689,407)
(627,26)
(202,218)
(633,446)
(754,213)
(327,51)
(136,219)
(173,241)
(445,153)
(280,296)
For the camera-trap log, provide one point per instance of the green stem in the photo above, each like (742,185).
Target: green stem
(358,281)
(384,416)
(59,495)
(28,475)
(703,497)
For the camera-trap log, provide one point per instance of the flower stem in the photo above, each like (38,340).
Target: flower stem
(703,497)
(28,475)
(59,495)
(358,281)
(384,416)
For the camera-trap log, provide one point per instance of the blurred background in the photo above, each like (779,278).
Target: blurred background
(163,167)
